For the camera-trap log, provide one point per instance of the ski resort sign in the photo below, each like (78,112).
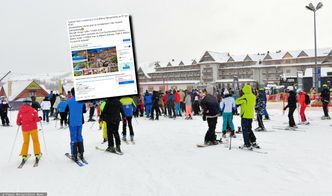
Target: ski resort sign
(102,57)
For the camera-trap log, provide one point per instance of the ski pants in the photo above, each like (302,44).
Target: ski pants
(291,117)
(178,109)
(210,135)
(148,108)
(227,119)
(63,118)
(26,142)
(130,125)
(104,130)
(325,108)
(45,115)
(302,113)
(248,134)
(171,110)
(196,108)
(260,120)
(155,109)
(113,132)
(91,112)
(76,139)
(188,111)
(4,118)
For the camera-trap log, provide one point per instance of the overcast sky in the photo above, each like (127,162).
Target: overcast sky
(34,35)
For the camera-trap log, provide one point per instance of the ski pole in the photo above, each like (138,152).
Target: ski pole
(41,125)
(11,153)
(43,137)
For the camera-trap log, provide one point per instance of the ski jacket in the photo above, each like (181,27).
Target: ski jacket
(291,100)
(62,106)
(247,102)
(112,110)
(170,98)
(165,98)
(147,99)
(260,103)
(27,117)
(75,110)
(227,104)
(177,97)
(155,98)
(325,95)
(210,106)
(302,99)
(129,106)
(188,100)
(4,107)
(45,105)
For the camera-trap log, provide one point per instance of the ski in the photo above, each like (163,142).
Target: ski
(23,162)
(102,149)
(286,128)
(37,161)
(205,145)
(79,163)
(84,161)
(253,150)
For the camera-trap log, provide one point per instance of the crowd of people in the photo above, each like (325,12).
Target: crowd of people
(152,105)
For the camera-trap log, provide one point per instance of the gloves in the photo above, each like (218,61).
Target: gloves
(40,118)
(204,117)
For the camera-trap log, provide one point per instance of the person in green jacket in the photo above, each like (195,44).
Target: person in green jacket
(247,102)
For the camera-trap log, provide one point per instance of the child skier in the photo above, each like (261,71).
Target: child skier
(61,109)
(292,107)
(303,101)
(27,117)
(227,106)
(111,114)
(76,121)
(129,108)
(247,102)
(260,105)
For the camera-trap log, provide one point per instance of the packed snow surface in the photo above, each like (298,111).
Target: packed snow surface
(166,161)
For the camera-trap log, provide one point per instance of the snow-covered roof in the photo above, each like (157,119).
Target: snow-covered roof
(170,82)
(147,67)
(220,57)
(17,88)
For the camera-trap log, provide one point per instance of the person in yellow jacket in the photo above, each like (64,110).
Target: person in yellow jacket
(247,102)
(103,123)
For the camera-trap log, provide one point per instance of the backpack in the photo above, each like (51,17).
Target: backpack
(307,99)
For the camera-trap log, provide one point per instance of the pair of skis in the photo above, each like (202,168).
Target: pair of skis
(79,162)
(24,161)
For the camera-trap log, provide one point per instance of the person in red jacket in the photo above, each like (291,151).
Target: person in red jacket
(177,100)
(303,106)
(27,117)
(165,103)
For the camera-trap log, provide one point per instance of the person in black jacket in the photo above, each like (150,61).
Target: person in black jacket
(155,105)
(291,105)
(4,111)
(325,97)
(111,115)
(35,104)
(210,108)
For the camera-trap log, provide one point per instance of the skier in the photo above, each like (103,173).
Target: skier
(75,110)
(170,105)
(247,102)
(325,98)
(177,100)
(27,117)
(260,105)
(136,101)
(165,103)
(45,106)
(61,109)
(111,114)
(129,108)
(292,107)
(4,111)
(148,103)
(182,99)
(196,103)
(55,106)
(210,114)
(92,110)
(304,100)
(188,106)
(34,103)
(265,113)
(155,105)
(227,106)
(52,99)
(140,106)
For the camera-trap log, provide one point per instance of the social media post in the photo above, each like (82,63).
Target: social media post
(101,51)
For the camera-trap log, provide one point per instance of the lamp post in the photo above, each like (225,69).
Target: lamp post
(316,69)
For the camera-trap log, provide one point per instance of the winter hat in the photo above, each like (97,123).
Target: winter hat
(226,92)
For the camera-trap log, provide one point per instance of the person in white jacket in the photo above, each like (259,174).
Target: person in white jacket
(55,106)
(227,105)
(45,106)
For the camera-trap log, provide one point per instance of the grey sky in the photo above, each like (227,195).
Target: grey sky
(34,35)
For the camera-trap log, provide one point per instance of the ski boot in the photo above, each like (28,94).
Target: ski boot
(245,147)
(111,149)
(118,149)
(124,138)
(132,138)
(255,145)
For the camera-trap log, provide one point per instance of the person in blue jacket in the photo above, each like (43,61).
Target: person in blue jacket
(76,120)
(266,114)
(148,103)
(129,107)
(171,105)
(61,109)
